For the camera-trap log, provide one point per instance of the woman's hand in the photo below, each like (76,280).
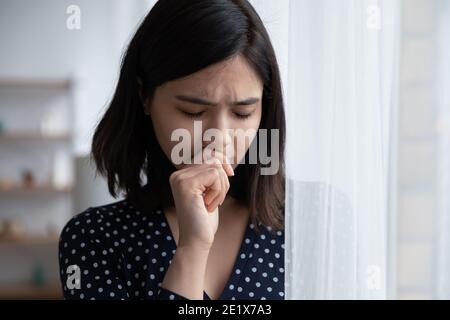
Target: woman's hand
(198,190)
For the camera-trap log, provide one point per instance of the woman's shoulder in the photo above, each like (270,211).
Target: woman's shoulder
(106,221)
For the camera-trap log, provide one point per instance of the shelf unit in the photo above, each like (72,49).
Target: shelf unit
(24,102)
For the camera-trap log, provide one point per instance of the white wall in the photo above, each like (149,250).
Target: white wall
(417,152)
(35,42)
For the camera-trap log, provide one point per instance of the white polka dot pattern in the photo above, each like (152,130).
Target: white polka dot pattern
(123,253)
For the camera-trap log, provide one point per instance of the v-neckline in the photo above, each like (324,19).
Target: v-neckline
(239,263)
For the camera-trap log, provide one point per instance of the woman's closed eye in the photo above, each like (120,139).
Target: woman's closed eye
(193,114)
(243,115)
(200,113)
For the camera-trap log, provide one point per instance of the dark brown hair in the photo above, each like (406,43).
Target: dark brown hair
(176,39)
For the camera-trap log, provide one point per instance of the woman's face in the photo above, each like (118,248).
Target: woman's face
(226,95)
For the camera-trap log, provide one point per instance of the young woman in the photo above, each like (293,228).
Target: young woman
(209,230)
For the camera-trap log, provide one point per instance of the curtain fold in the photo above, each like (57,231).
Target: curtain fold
(339,67)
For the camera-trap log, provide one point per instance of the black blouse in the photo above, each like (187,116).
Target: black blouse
(120,252)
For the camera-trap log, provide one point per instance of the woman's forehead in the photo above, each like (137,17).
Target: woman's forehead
(234,79)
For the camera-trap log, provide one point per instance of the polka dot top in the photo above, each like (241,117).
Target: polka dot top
(118,252)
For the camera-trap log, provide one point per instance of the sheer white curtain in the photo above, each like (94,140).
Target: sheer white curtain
(443,116)
(339,67)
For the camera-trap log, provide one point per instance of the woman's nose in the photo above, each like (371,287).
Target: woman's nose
(223,137)
(222,141)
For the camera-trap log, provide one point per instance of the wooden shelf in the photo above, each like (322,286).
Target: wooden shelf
(30,292)
(35,189)
(30,135)
(28,240)
(40,83)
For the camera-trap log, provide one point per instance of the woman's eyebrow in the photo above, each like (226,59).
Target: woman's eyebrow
(195,100)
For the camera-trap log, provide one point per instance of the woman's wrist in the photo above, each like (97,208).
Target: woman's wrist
(186,273)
